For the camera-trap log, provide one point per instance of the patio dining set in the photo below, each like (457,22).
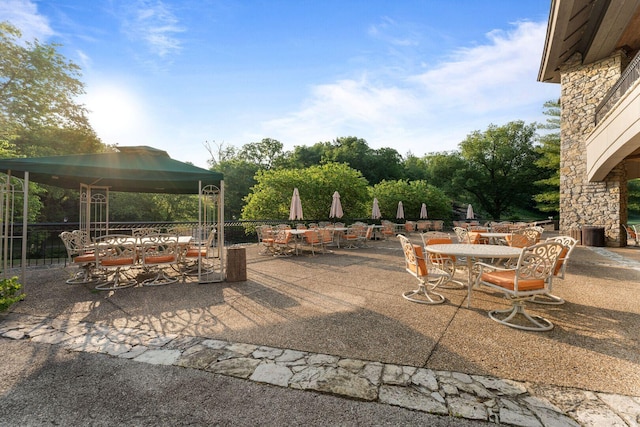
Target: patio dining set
(283,240)
(517,264)
(148,256)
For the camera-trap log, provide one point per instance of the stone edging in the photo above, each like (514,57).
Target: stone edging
(473,397)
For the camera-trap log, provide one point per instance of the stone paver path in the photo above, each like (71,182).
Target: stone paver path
(445,393)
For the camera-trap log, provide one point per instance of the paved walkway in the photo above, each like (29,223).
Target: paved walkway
(456,394)
(441,392)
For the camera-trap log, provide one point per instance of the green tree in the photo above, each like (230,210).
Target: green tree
(40,115)
(38,86)
(53,141)
(548,199)
(265,153)
(270,198)
(415,168)
(152,207)
(500,167)
(634,196)
(375,165)
(385,164)
(303,157)
(412,194)
(239,177)
(443,171)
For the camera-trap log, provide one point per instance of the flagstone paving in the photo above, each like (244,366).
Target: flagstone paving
(446,393)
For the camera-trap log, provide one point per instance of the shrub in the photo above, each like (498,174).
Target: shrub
(9,293)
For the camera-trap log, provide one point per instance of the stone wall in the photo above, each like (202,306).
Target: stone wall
(584,203)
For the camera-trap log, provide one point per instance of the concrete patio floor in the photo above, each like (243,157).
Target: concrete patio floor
(349,304)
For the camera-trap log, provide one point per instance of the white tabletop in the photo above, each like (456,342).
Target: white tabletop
(491,234)
(296,231)
(475,250)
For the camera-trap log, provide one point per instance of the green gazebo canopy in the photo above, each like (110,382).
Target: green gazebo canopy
(132,169)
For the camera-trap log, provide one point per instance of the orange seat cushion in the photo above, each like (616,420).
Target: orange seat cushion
(440,241)
(517,241)
(505,279)
(85,258)
(312,237)
(475,238)
(160,259)
(195,252)
(422,266)
(117,261)
(558,267)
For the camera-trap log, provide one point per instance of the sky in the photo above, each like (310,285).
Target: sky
(417,76)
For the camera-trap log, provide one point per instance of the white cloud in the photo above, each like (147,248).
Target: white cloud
(24,15)
(388,30)
(430,111)
(153,23)
(495,76)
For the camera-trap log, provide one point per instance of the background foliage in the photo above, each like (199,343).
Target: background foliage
(270,198)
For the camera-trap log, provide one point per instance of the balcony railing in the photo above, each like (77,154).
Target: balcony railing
(628,78)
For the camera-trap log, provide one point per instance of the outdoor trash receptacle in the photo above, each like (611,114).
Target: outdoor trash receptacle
(576,233)
(593,236)
(236,264)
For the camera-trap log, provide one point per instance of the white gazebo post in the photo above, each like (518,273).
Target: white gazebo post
(94,210)
(210,215)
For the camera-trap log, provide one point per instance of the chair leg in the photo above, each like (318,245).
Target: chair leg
(517,310)
(548,299)
(423,295)
(117,282)
(86,276)
(160,279)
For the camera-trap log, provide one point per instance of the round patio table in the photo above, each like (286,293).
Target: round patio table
(474,252)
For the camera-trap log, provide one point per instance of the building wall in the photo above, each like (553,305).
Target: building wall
(584,203)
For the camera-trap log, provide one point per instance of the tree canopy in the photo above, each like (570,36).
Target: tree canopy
(548,200)
(500,166)
(38,86)
(270,198)
(412,194)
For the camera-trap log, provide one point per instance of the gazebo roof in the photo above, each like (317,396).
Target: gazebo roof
(138,169)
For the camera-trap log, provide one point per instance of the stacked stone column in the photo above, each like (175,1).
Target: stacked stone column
(584,203)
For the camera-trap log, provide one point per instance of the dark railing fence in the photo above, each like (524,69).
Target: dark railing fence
(44,246)
(627,79)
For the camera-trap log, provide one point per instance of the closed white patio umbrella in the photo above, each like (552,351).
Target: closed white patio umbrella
(336,206)
(400,211)
(295,211)
(375,211)
(470,214)
(423,211)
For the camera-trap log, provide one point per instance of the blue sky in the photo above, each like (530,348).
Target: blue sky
(414,75)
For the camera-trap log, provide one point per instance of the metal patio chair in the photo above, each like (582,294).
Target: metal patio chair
(531,276)
(429,274)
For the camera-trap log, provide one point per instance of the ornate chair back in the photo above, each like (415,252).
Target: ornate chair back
(531,276)
(523,237)
(157,251)
(114,253)
(462,234)
(428,275)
